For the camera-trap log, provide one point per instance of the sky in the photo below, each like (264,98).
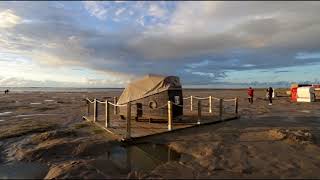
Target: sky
(111,43)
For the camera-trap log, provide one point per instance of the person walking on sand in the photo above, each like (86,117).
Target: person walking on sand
(270,92)
(250,95)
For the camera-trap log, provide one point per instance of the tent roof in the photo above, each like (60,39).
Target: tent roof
(148,85)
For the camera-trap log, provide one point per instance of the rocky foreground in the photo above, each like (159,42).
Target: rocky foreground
(46,130)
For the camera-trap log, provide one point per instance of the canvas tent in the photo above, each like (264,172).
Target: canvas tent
(148,85)
(149,97)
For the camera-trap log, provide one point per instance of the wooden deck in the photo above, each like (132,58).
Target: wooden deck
(143,129)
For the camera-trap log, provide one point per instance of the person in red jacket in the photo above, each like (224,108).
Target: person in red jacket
(250,95)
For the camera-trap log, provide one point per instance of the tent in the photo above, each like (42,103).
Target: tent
(149,97)
(305,94)
(148,85)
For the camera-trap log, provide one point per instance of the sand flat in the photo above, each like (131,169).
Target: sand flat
(278,141)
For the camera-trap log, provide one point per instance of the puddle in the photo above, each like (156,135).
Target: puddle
(29,115)
(5,113)
(48,100)
(20,170)
(142,157)
(1,120)
(35,103)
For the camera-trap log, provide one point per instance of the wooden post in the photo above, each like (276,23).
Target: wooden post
(199,111)
(191,99)
(220,109)
(128,135)
(88,107)
(115,108)
(95,110)
(107,114)
(236,103)
(210,104)
(169,115)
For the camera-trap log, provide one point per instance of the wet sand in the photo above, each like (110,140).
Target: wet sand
(46,128)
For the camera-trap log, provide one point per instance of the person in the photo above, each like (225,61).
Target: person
(250,95)
(270,92)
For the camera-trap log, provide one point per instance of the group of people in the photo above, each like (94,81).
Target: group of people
(269,95)
(6,91)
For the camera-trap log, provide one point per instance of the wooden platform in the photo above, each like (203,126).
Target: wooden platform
(144,129)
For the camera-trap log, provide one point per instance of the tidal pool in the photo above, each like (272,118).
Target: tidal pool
(143,157)
(22,170)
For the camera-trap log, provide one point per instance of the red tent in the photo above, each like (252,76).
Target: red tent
(294,94)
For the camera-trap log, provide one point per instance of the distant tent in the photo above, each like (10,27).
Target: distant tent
(305,94)
(148,85)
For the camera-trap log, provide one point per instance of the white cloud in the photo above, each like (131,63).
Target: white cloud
(140,20)
(119,11)
(199,64)
(96,9)
(8,19)
(155,10)
(308,55)
(248,65)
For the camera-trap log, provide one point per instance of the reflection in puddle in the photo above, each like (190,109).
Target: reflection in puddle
(1,120)
(19,170)
(142,157)
(48,100)
(5,113)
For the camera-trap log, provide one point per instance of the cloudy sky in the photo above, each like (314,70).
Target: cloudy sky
(206,44)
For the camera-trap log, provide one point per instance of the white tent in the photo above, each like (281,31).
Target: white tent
(148,85)
(305,94)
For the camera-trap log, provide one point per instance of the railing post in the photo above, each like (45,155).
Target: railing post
(220,109)
(191,99)
(169,115)
(95,110)
(236,105)
(128,135)
(210,104)
(199,111)
(88,107)
(107,114)
(115,108)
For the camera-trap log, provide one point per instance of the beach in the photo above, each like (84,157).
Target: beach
(43,135)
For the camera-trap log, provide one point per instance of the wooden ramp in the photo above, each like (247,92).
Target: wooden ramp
(141,129)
